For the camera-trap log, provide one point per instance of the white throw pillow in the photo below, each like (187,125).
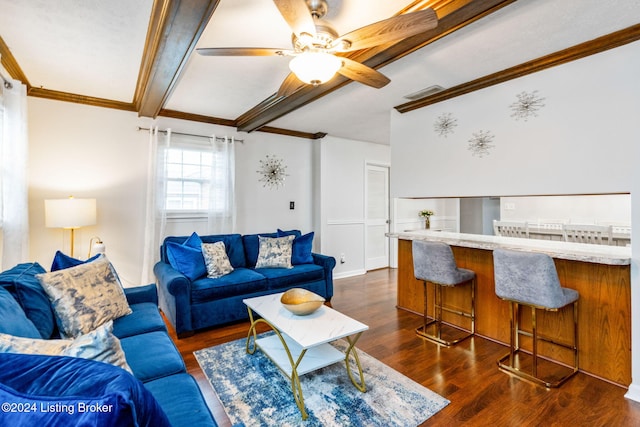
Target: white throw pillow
(216,259)
(85,297)
(99,345)
(275,252)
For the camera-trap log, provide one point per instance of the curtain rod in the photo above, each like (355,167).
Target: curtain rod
(219,138)
(6,81)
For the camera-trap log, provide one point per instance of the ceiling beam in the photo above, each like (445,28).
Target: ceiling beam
(10,64)
(452,15)
(174,29)
(600,44)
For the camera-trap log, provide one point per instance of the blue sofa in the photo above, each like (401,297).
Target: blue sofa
(204,302)
(60,390)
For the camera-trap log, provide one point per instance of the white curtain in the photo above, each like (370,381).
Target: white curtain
(13,179)
(156,216)
(221,215)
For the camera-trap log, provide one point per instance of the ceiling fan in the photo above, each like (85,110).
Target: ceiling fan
(317,47)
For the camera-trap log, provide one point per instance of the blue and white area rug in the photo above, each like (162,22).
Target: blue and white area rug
(255,392)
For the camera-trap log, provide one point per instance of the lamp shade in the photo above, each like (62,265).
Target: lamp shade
(315,67)
(69,213)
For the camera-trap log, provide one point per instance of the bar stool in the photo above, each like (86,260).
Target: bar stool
(433,262)
(531,279)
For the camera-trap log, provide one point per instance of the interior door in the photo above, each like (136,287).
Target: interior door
(377,217)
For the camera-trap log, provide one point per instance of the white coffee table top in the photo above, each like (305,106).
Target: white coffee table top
(322,326)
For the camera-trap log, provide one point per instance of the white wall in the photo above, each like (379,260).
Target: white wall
(99,153)
(583,142)
(342,216)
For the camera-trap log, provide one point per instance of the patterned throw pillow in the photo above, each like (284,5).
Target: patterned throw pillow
(216,259)
(99,345)
(275,252)
(85,297)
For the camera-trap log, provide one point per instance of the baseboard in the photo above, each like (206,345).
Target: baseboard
(346,274)
(633,393)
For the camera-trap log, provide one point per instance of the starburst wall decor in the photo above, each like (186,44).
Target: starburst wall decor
(480,143)
(272,171)
(527,105)
(445,124)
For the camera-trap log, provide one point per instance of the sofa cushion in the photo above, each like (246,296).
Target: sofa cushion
(181,399)
(251,244)
(240,281)
(152,355)
(145,317)
(85,296)
(13,321)
(186,256)
(302,247)
(275,252)
(46,381)
(62,261)
(279,278)
(21,281)
(234,246)
(216,259)
(99,345)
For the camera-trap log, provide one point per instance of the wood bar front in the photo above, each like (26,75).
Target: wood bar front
(604,319)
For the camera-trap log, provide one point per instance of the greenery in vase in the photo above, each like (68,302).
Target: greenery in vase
(425,213)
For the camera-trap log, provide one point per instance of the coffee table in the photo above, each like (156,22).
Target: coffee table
(301,343)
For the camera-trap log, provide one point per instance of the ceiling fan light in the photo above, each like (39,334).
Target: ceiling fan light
(315,67)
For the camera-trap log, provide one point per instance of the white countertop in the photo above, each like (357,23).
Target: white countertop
(598,254)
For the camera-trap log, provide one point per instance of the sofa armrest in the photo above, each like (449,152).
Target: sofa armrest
(174,290)
(140,294)
(327,263)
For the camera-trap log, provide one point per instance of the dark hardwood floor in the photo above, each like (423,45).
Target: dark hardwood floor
(465,374)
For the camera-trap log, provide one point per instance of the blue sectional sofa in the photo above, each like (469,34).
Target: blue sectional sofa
(63,390)
(200,301)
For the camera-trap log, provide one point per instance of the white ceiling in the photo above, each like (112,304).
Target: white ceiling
(94,48)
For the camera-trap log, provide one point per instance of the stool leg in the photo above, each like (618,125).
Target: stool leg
(534,333)
(424,325)
(437,308)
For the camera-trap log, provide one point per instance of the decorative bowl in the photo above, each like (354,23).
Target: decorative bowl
(301,302)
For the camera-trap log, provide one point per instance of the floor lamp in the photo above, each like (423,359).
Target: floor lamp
(70,214)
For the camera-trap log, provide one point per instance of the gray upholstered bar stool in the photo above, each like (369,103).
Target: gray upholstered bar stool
(531,279)
(433,262)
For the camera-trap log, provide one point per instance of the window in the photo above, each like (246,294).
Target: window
(196,180)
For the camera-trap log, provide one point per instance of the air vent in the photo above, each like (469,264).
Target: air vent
(424,92)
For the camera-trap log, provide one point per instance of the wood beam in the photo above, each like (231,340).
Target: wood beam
(174,29)
(600,44)
(452,15)
(10,64)
(57,95)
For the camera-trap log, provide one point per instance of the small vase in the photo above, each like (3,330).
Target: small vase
(427,223)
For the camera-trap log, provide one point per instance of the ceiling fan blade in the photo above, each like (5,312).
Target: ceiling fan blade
(290,84)
(297,15)
(363,74)
(242,51)
(389,30)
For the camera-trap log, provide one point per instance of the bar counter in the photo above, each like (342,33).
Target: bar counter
(601,274)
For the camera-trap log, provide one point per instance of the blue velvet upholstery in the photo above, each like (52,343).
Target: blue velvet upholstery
(530,278)
(239,281)
(191,305)
(73,384)
(302,247)
(62,261)
(176,394)
(23,285)
(152,355)
(187,260)
(434,262)
(14,321)
(143,318)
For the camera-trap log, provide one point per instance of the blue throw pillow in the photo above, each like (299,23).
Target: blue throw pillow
(302,245)
(187,258)
(62,261)
(13,321)
(68,391)
(21,281)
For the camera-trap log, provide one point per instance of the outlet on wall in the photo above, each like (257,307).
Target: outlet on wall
(343,259)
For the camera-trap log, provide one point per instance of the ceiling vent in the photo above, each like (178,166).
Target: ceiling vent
(424,92)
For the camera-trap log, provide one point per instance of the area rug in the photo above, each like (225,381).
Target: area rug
(255,392)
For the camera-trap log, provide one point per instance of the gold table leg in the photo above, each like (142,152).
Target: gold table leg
(352,349)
